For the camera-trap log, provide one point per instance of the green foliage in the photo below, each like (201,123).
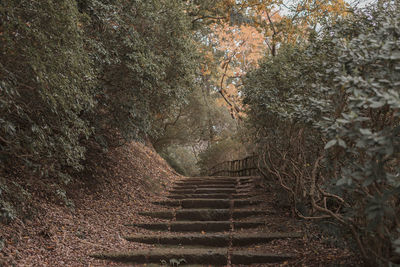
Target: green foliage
(7,212)
(46,77)
(76,75)
(336,98)
(173,262)
(198,120)
(146,63)
(225,149)
(2,243)
(182,159)
(191,131)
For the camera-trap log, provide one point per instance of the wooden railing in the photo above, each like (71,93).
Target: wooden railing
(240,167)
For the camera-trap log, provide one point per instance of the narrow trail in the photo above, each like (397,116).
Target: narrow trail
(211,221)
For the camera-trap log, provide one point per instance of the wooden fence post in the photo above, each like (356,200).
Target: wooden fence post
(242,167)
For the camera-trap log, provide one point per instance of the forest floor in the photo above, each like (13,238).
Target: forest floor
(57,235)
(134,176)
(316,248)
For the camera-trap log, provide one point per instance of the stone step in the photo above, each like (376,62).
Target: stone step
(196,203)
(220,178)
(247,258)
(177,187)
(213,185)
(197,226)
(204,214)
(239,203)
(226,179)
(204,191)
(178,256)
(233,181)
(213,256)
(217,183)
(214,196)
(212,190)
(213,240)
(207,203)
(215,190)
(168,203)
(182,191)
(245,213)
(212,181)
(247,239)
(208,196)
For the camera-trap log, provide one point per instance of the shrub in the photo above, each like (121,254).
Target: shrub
(80,76)
(46,78)
(328,114)
(72,69)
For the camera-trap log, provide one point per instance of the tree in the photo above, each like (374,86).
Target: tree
(146,63)
(46,82)
(79,77)
(326,116)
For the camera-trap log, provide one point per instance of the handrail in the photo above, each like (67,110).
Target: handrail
(241,167)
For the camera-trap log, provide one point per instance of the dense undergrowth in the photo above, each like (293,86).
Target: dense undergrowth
(326,117)
(80,77)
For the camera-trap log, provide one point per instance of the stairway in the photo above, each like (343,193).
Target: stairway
(210,222)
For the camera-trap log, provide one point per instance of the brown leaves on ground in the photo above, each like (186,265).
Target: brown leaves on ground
(134,176)
(60,236)
(314,249)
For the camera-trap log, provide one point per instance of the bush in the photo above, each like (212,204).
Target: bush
(226,149)
(182,159)
(328,111)
(73,68)
(80,76)
(46,81)
(145,63)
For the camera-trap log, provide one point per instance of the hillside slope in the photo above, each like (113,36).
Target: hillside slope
(60,236)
